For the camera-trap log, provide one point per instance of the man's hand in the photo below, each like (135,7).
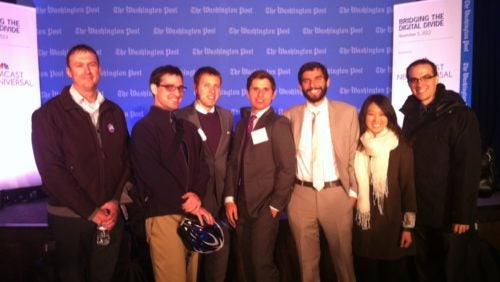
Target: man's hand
(204,216)
(405,239)
(353,201)
(459,228)
(274,212)
(192,202)
(107,215)
(232,213)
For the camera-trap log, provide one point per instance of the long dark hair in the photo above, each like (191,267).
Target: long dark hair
(385,105)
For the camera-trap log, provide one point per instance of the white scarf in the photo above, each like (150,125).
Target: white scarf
(370,165)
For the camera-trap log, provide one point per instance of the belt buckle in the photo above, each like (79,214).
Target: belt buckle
(332,184)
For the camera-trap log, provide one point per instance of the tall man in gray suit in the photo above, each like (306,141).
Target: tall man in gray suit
(326,135)
(214,127)
(259,179)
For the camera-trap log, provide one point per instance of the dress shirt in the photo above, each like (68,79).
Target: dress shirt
(199,108)
(91,108)
(304,155)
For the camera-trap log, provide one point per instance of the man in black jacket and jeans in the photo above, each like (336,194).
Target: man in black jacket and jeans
(446,142)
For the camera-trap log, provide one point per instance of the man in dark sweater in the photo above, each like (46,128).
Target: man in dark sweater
(171,174)
(214,127)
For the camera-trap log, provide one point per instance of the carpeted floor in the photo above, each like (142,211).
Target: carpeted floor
(32,213)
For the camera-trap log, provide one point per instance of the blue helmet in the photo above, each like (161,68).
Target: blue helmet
(199,238)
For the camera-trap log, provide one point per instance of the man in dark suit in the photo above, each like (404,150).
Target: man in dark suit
(259,178)
(325,187)
(214,127)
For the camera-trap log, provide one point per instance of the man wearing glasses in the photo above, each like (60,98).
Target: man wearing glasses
(171,174)
(446,144)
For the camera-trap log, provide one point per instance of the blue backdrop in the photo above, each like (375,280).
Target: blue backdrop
(352,38)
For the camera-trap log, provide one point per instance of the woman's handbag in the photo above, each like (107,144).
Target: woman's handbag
(489,180)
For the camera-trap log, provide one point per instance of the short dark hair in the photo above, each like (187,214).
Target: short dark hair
(206,70)
(385,105)
(309,66)
(157,73)
(81,48)
(261,74)
(423,61)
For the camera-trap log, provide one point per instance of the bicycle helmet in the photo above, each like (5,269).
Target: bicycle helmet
(199,238)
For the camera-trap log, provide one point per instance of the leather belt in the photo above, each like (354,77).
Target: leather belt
(329,184)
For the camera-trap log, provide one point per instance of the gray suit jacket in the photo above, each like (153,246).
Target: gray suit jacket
(268,166)
(213,200)
(344,128)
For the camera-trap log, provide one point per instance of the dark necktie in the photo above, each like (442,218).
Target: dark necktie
(250,126)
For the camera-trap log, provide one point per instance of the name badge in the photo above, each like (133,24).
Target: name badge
(259,136)
(202,134)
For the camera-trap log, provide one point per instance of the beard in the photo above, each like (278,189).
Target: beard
(315,99)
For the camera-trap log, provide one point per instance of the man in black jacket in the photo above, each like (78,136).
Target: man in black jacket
(80,146)
(446,142)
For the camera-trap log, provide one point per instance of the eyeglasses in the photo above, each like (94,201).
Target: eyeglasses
(425,78)
(172,88)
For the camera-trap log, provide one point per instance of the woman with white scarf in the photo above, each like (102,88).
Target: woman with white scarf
(386,205)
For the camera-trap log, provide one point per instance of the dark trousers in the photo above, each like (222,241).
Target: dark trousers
(77,256)
(441,255)
(214,265)
(256,240)
(376,270)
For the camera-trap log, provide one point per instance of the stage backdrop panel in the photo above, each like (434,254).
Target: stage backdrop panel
(440,31)
(19,95)
(352,38)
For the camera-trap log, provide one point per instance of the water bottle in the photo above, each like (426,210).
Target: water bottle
(102,236)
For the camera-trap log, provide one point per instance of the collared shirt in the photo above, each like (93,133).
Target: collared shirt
(199,108)
(258,115)
(91,108)
(304,154)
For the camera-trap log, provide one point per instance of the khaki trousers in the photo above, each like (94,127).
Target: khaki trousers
(172,262)
(330,210)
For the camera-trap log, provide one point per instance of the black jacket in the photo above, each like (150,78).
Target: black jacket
(168,161)
(81,166)
(446,144)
